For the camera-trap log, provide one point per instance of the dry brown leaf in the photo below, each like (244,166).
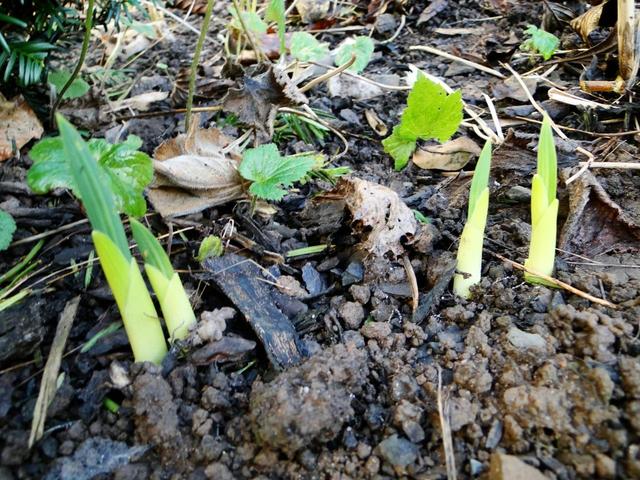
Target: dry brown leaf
(257,101)
(375,123)
(453,155)
(313,10)
(595,223)
(511,88)
(602,15)
(383,219)
(198,7)
(194,172)
(18,125)
(141,102)
(433,9)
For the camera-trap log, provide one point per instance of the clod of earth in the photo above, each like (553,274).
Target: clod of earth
(308,403)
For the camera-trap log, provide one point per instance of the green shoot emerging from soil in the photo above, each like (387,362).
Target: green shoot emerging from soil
(544,209)
(276,13)
(174,301)
(120,269)
(430,114)
(271,173)
(125,171)
(541,42)
(469,260)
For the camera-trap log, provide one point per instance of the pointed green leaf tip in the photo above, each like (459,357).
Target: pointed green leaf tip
(271,173)
(431,113)
(151,250)
(276,13)
(91,184)
(480,179)
(548,160)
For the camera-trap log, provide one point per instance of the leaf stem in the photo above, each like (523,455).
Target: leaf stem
(88,25)
(196,61)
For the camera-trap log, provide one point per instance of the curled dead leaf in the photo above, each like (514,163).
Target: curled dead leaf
(257,101)
(18,126)
(602,15)
(453,155)
(195,171)
(375,123)
(382,218)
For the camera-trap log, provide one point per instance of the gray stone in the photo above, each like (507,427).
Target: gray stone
(526,341)
(397,451)
(352,313)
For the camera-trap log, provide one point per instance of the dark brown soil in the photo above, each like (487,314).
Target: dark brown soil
(525,370)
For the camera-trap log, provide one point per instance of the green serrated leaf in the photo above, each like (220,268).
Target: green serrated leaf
(306,48)
(272,173)
(544,43)
(126,171)
(431,113)
(77,89)
(276,13)
(361,47)
(7,229)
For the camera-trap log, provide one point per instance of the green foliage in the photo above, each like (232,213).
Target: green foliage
(420,217)
(469,258)
(31,29)
(271,173)
(123,170)
(211,246)
(7,229)
(544,209)
(431,113)
(90,181)
(361,47)
(152,251)
(252,20)
(542,42)
(77,89)
(306,48)
(290,125)
(276,13)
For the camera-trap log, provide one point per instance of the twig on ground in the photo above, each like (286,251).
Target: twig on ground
(557,282)
(403,21)
(328,75)
(449,56)
(445,427)
(413,282)
(560,133)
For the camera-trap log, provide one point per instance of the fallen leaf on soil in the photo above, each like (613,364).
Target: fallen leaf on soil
(140,102)
(595,223)
(450,156)
(598,16)
(257,101)
(434,8)
(350,87)
(313,10)
(18,125)
(194,172)
(383,219)
(510,88)
(375,123)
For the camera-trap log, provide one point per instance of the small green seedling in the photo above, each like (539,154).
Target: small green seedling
(541,42)
(76,89)
(174,301)
(361,47)
(270,173)
(306,48)
(431,113)
(211,246)
(469,260)
(7,229)
(139,316)
(276,13)
(125,171)
(544,209)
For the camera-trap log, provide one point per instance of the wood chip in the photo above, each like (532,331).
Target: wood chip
(18,126)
